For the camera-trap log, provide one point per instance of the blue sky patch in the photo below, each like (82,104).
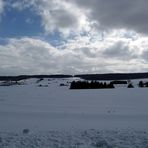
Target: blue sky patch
(24,23)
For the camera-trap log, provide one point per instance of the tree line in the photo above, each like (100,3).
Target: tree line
(142,84)
(90,85)
(103,85)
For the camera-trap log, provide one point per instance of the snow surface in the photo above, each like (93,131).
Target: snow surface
(76,139)
(118,117)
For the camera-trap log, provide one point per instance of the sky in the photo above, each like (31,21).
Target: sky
(73,36)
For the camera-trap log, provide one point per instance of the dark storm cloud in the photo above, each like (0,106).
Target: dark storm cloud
(114,14)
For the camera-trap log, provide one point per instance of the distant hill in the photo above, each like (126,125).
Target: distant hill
(110,76)
(113,76)
(22,77)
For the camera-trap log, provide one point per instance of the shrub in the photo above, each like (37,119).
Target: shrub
(130,86)
(141,84)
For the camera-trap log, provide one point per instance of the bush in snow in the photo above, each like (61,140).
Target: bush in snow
(141,84)
(130,86)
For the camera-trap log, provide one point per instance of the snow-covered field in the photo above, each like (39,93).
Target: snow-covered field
(58,117)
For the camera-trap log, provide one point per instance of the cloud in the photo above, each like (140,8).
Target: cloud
(80,16)
(56,15)
(21,5)
(118,14)
(95,37)
(118,50)
(145,55)
(36,56)
(62,16)
(25,55)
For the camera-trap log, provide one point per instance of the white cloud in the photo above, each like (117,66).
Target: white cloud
(56,15)
(62,16)
(35,56)
(25,55)
(20,5)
